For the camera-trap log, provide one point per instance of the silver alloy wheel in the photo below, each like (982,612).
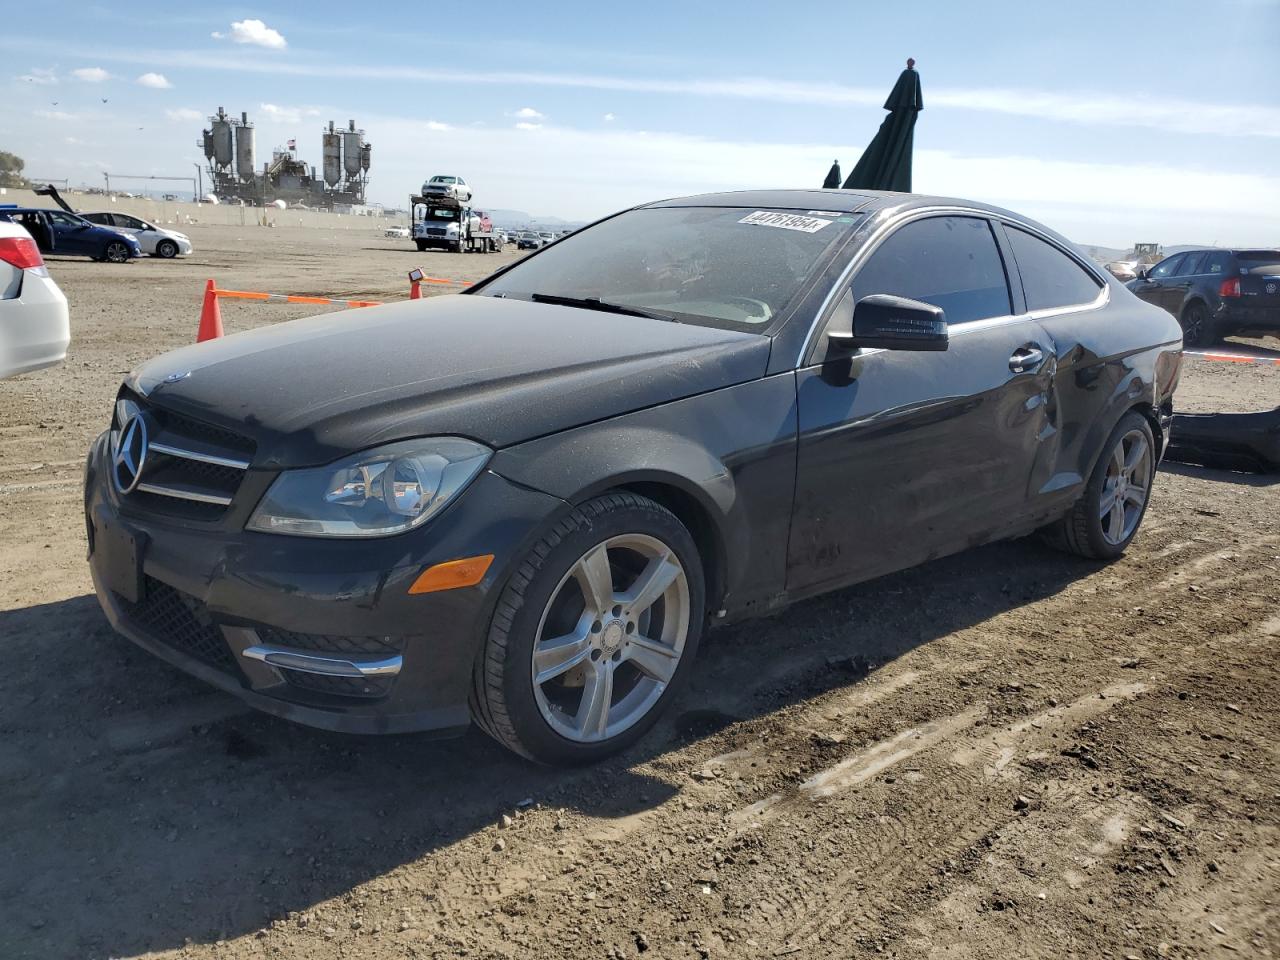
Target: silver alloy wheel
(117,252)
(611,637)
(1125,487)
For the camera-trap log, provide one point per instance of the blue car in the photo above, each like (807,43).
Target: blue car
(60,233)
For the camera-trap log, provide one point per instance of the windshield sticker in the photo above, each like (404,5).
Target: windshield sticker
(786,221)
(823,213)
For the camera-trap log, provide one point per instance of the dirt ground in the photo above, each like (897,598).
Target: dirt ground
(1009,753)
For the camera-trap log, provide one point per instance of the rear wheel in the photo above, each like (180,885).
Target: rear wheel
(115,252)
(592,634)
(1196,325)
(166,249)
(1106,517)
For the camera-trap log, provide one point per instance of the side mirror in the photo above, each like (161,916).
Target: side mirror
(894,323)
(1141,272)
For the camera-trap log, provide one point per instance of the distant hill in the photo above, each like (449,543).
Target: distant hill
(519,218)
(1108,254)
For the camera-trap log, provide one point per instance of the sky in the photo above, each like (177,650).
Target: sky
(1111,122)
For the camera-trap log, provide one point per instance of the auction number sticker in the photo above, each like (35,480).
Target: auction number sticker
(786,221)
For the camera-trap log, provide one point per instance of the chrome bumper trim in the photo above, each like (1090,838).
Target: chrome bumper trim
(325,666)
(183,493)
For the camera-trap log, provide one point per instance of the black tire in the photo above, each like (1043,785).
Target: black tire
(456,248)
(116,252)
(1080,531)
(166,249)
(1197,326)
(503,702)
(422,245)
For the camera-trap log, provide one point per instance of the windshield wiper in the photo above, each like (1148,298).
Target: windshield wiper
(595,303)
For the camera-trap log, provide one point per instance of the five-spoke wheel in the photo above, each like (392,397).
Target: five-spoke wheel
(1125,488)
(592,633)
(611,637)
(1107,514)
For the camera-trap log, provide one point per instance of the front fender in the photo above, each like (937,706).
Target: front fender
(731,452)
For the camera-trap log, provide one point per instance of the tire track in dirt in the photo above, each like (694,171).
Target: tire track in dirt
(505,882)
(923,832)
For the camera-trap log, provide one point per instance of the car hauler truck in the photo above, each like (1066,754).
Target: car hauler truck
(445,223)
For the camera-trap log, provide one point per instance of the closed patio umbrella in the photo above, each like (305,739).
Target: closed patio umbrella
(833,177)
(886,163)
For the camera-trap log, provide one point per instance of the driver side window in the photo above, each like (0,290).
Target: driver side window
(950,262)
(1165,267)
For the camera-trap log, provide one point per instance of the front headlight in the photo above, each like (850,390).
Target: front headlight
(374,493)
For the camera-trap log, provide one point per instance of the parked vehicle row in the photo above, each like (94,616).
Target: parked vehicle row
(106,236)
(1215,292)
(693,412)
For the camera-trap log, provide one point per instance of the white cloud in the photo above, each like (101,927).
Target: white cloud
(528,113)
(288,115)
(157,81)
(253,32)
(60,115)
(184,115)
(40,76)
(91,74)
(437,125)
(592,172)
(609,118)
(525,125)
(1243,119)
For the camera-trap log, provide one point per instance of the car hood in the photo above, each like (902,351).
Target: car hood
(495,370)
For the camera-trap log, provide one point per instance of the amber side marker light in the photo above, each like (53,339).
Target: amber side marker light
(453,574)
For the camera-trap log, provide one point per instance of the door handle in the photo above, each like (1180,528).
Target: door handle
(1026,358)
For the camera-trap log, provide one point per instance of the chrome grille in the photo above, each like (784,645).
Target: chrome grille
(188,468)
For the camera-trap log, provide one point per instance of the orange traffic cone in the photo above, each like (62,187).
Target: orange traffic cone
(415,283)
(210,315)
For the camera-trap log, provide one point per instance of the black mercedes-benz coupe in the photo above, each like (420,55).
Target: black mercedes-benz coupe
(523,505)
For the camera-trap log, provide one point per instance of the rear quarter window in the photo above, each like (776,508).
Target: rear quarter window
(1259,261)
(1050,278)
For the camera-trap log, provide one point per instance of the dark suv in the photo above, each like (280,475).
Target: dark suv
(1216,293)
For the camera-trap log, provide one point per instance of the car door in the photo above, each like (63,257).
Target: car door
(141,231)
(1179,286)
(903,456)
(71,234)
(1156,288)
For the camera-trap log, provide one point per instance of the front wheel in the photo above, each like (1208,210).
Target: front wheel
(1106,517)
(115,252)
(422,245)
(592,634)
(166,249)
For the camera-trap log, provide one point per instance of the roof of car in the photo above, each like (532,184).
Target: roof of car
(841,201)
(16,209)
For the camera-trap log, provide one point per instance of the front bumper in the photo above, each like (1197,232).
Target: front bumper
(322,632)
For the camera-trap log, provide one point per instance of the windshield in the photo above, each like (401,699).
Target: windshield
(732,267)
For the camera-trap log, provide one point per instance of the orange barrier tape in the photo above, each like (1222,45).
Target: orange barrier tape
(1234,358)
(292,298)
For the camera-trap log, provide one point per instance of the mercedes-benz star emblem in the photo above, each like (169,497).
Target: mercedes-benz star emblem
(175,377)
(129,454)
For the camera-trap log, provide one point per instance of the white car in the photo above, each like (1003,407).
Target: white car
(445,185)
(396,233)
(154,240)
(35,327)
